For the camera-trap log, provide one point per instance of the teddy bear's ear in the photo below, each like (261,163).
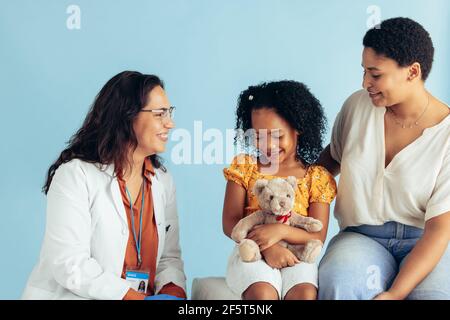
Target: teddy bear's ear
(259,186)
(292,181)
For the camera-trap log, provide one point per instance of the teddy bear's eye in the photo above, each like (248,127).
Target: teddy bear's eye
(271,198)
(288,195)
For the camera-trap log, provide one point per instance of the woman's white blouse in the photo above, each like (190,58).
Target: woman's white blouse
(412,189)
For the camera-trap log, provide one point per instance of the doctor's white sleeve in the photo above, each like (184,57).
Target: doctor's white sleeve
(68,237)
(171,267)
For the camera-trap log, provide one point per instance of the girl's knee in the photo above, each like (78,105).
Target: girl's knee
(260,291)
(302,291)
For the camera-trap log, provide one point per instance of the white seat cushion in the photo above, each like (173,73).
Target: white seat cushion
(212,288)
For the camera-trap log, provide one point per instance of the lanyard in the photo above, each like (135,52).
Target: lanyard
(137,241)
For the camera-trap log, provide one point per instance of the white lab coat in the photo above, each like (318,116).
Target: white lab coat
(86,236)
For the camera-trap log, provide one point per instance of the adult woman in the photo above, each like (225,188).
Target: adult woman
(390,143)
(111,208)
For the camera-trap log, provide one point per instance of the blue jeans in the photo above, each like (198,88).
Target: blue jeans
(361,262)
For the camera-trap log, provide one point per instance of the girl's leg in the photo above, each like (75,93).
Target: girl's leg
(302,291)
(355,267)
(300,282)
(252,280)
(260,291)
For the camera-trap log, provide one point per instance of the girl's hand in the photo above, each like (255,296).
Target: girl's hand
(267,235)
(279,257)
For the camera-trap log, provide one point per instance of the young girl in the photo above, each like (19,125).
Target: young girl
(288,124)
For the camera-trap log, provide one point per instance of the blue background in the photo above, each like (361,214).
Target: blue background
(206,52)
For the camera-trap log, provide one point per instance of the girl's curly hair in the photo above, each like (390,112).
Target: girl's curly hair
(292,101)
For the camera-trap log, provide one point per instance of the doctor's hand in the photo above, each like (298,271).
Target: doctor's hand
(279,257)
(163,297)
(267,235)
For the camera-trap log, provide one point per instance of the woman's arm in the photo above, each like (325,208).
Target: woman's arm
(233,206)
(422,259)
(325,160)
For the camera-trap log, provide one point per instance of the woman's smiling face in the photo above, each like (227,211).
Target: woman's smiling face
(387,83)
(151,129)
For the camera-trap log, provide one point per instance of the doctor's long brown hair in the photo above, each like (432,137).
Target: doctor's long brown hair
(107,131)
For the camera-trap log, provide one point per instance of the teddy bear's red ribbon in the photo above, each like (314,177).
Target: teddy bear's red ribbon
(284,218)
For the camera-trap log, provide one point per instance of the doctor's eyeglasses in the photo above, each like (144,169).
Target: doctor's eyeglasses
(162,113)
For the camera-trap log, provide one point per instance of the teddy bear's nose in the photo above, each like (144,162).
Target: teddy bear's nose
(282,203)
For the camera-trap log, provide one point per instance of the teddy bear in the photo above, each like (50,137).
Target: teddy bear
(276,199)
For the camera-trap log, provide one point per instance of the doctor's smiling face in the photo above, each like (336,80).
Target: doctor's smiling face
(129,116)
(153,123)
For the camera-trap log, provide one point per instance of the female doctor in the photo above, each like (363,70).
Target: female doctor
(111,209)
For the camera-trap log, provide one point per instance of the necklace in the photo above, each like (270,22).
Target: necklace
(415,123)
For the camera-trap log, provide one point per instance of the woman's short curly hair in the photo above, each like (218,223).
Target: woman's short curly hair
(293,102)
(403,40)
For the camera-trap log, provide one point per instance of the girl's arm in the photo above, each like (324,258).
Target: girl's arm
(233,211)
(316,210)
(269,234)
(422,259)
(233,206)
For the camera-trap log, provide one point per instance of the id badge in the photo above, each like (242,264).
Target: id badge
(138,280)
